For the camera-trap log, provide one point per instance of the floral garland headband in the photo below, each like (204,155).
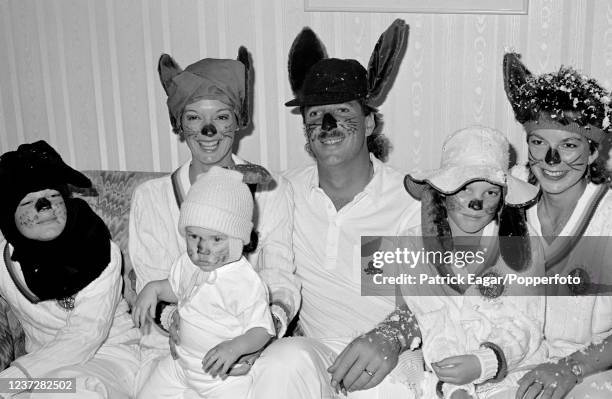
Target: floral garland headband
(565,100)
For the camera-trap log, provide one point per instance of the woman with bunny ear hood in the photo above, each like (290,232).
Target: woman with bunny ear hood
(209,104)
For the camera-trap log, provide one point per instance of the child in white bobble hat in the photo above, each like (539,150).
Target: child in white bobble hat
(222,302)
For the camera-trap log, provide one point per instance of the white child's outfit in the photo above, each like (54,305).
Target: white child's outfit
(452,324)
(213,307)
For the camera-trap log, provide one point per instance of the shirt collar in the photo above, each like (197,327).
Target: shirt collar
(374,185)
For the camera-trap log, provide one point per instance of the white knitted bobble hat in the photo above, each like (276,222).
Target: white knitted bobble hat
(219,200)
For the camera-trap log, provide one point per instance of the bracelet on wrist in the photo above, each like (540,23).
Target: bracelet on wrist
(502,370)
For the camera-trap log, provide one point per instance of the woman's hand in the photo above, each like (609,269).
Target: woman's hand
(364,363)
(145,305)
(458,370)
(549,380)
(219,359)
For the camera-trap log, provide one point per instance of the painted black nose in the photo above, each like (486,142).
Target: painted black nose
(209,130)
(552,157)
(475,205)
(42,203)
(329,122)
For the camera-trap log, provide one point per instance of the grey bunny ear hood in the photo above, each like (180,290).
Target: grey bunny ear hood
(224,80)
(317,80)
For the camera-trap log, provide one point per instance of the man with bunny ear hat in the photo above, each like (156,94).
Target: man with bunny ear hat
(352,342)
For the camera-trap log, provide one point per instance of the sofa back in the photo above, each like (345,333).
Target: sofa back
(110,197)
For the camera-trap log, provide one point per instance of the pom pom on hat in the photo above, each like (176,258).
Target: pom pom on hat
(219,200)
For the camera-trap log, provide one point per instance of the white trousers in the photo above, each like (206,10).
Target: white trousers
(111,374)
(296,368)
(170,380)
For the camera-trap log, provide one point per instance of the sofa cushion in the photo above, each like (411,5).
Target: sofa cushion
(110,197)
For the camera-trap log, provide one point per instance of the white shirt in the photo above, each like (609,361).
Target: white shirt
(155,242)
(217,306)
(57,338)
(327,249)
(590,318)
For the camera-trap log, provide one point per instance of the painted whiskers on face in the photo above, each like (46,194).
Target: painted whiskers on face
(474,206)
(41,215)
(559,159)
(209,128)
(349,125)
(553,158)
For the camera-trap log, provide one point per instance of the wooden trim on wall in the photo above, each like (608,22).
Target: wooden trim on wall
(421,7)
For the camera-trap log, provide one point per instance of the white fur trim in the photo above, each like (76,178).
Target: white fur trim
(488,364)
(282,316)
(448,389)
(166,316)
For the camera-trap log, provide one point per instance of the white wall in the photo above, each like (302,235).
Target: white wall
(82,74)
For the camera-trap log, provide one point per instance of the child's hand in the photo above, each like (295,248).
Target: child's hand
(458,370)
(219,359)
(145,305)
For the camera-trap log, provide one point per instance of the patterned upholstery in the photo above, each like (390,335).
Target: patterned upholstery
(110,198)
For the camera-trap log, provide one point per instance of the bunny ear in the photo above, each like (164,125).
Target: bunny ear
(386,59)
(245,59)
(515,75)
(168,69)
(306,51)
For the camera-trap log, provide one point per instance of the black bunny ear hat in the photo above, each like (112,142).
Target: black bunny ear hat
(563,100)
(224,80)
(318,80)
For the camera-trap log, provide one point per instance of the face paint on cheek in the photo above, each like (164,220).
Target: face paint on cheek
(455,203)
(491,208)
(221,254)
(27,220)
(311,130)
(350,125)
(59,209)
(577,163)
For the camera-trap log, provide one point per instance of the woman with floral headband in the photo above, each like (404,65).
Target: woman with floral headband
(477,337)
(566,116)
(208,104)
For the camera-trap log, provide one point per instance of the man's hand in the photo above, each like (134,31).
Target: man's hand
(458,370)
(364,363)
(549,380)
(174,333)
